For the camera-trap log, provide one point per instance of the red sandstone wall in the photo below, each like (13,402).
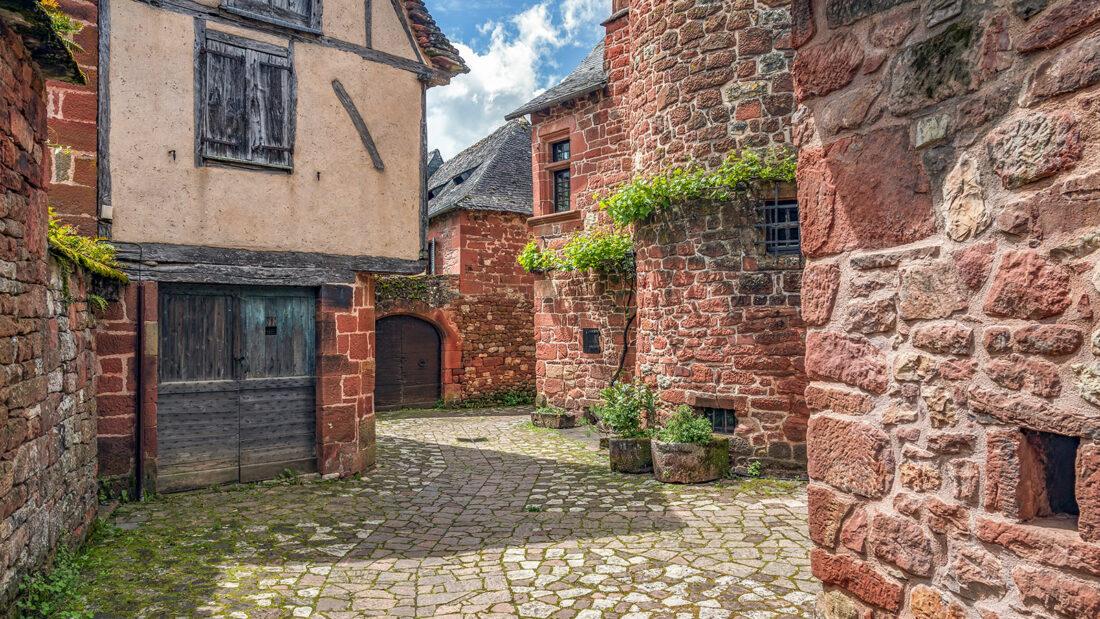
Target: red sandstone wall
(47,401)
(950,184)
(481,304)
(72,128)
(566,303)
(719,326)
(708,78)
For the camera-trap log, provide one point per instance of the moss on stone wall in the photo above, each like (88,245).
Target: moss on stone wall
(434,290)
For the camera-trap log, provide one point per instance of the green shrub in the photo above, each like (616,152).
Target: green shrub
(534,259)
(604,251)
(639,199)
(551,410)
(624,405)
(755,469)
(686,427)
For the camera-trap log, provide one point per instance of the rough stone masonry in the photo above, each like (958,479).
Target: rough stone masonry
(949,178)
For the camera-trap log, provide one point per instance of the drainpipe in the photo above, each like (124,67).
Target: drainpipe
(139,360)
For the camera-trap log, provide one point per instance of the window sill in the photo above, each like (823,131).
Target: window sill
(552,218)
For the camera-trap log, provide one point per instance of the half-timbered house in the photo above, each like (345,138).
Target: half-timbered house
(259,162)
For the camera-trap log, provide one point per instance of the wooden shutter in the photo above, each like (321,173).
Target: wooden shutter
(271,129)
(225,109)
(300,14)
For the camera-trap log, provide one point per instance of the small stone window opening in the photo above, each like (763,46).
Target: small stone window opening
(431,257)
(782,234)
(590,341)
(722,420)
(560,176)
(1049,474)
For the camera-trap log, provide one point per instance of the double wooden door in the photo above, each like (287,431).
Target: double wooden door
(236,385)
(409,360)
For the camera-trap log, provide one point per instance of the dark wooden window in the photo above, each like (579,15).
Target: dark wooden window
(561,191)
(781,231)
(722,420)
(590,341)
(296,14)
(559,151)
(247,102)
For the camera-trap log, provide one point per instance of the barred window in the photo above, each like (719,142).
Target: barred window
(722,420)
(781,231)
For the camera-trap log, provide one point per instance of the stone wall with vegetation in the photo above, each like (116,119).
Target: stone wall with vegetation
(47,359)
(949,177)
(480,301)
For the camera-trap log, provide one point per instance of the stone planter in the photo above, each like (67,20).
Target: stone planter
(687,463)
(631,455)
(550,420)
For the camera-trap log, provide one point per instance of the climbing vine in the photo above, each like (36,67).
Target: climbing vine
(640,198)
(601,250)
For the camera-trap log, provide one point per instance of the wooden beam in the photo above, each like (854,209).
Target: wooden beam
(216,265)
(360,124)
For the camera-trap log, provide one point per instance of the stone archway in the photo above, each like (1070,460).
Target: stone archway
(449,351)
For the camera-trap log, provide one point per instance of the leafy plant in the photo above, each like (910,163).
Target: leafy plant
(66,27)
(686,427)
(600,250)
(76,251)
(640,198)
(755,469)
(47,593)
(624,405)
(604,251)
(551,410)
(500,398)
(534,259)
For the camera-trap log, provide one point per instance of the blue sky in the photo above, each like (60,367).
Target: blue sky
(516,49)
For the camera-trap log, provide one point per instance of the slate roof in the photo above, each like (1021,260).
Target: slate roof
(432,41)
(435,161)
(588,77)
(492,175)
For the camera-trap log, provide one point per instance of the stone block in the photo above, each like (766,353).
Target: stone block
(1028,286)
(1058,25)
(945,338)
(827,67)
(933,70)
(857,577)
(1072,69)
(848,359)
(1067,596)
(930,290)
(827,509)
(1035,147)
(850,455)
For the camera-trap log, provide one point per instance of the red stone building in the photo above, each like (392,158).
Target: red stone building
(950,182)
(712,318)
(468,320)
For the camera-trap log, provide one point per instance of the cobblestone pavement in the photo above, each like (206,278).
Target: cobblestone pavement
(474,514)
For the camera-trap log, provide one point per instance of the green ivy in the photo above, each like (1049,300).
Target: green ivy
(686,427)
(637,200)
(435,290)
(599,250)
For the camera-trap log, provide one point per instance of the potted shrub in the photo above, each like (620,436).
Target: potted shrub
(685,450)
(622,412)
(552,417)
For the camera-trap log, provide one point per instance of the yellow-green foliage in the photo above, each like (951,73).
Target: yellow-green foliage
(66,27)
(739,173)
(600,250)
(93,255)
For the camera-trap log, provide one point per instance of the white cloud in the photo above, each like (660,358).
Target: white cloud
(514,67)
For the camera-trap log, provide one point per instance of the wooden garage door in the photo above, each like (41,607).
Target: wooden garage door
(236,385)
(409,358)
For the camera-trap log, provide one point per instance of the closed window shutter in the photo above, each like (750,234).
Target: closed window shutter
(271,131)
(294,13)
(225,120)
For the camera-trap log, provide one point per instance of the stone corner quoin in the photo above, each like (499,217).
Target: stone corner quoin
(950,192)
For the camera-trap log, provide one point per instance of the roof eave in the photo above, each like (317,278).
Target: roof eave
(531,109)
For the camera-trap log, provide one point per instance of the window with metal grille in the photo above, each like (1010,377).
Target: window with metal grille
(590,341)
(559,151)
(561,191)
(722,420)
(781,231)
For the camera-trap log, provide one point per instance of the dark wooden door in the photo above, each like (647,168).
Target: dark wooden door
(409,360)
(236,385)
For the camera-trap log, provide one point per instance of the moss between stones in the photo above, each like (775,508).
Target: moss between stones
(434,290)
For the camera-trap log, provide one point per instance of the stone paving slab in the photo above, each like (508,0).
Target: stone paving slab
(469,514)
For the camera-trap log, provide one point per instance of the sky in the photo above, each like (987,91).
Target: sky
(515,50)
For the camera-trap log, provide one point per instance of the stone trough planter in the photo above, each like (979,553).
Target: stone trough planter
(631,455)
(552,420)
(687,463)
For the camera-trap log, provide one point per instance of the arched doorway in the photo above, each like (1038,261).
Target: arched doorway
(409,355)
